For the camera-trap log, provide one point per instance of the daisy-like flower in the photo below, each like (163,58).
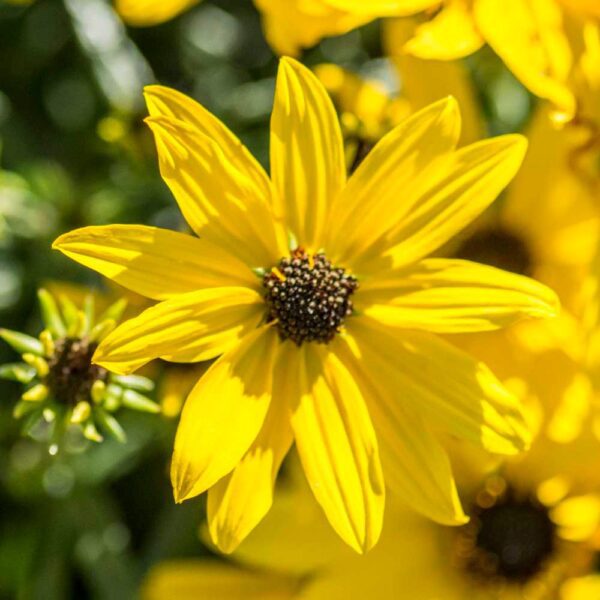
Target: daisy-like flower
(316,294)
(65,391)
(526,540)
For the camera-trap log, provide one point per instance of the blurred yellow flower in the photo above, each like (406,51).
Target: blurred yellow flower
(368,112)
(145,13)
(291,25)
(530,537)
(317,293)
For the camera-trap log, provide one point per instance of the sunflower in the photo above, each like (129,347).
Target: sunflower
(533,535)
(316,294)
(65,393)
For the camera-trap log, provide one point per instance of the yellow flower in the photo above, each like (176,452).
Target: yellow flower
(291,25)
(530,36)
(144,13)
(531,536)
(317,293)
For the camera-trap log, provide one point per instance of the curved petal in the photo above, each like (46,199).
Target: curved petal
(187,328)
(451,34)
(238,502)
(307,153)
(291,25)
(530,38)
(416,467)
(220,203)
(156,263)
(445,203)
(192,579)
(223,414)
(445,385)
(338,447)
(376,193)
(453,296)
(145,13)
(167,102)
(426,81)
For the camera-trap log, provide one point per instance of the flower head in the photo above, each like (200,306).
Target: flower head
(345,346)
(65,390)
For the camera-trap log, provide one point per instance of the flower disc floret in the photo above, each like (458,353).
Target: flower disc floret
(511,539)
(71,371)
(308,297)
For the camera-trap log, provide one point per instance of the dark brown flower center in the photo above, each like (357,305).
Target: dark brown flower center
(512,539)
(308,297)
(498,247)
(72,373)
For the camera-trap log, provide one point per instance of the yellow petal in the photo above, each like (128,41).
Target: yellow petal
(338,448)
(529,37)
(223,414)
(451,34)
(187,328)
(577,517)
(238,502)
(167,102)
(291,25)
(156,263)
(307,153)
(581,588)
(416,467)
(145,13)
(448,387)
(194,579)
(453,296)
(426,81)
(445,203)
(220,202)
(377,192)
(382,8)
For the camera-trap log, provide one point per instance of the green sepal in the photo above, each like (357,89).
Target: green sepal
(135,401)
(89,309)
(50,313)
(22,342)
(69,310)
(135,382)
(101,330)
(114,311)
(34,419)
(20,372)
(23,408)
(110,424)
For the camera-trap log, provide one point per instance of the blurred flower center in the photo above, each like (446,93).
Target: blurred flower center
(498,247)
(308,297)
(511,539)
(72,373)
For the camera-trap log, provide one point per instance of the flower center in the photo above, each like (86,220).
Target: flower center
(72,373)
(498,247)
(512,539)
(308,297)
